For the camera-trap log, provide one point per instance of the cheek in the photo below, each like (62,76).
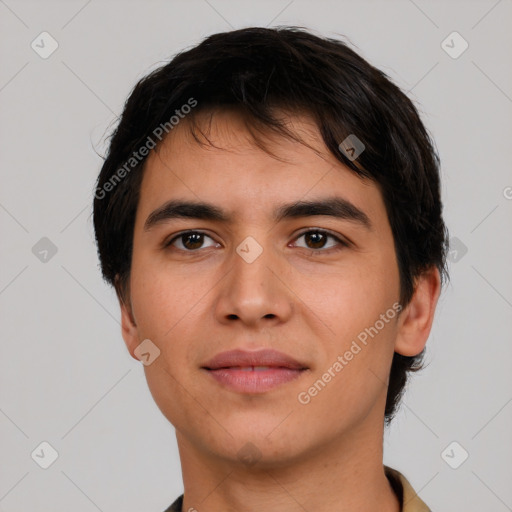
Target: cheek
(163,305)
(167,306)
(161,299)
(353,376)
(356,307)
(351,297)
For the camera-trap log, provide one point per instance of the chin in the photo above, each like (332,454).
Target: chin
(261,447)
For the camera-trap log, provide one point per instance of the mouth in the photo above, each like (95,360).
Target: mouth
(254,379)
(253,372)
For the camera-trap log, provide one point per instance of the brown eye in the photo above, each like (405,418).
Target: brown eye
(316,239)
(192,240)
(189,241)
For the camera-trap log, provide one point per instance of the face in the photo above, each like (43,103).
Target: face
(312,285)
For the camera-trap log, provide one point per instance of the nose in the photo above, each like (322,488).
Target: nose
(254,291)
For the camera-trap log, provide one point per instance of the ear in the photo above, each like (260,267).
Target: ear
(415,321)
(129,328)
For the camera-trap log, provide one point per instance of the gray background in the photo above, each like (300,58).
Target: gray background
(65,375)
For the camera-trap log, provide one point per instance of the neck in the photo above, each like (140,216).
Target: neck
(345,474)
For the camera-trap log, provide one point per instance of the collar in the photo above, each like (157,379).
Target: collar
(409,499)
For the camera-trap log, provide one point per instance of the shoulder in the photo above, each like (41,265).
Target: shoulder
(176,506)
(408,497)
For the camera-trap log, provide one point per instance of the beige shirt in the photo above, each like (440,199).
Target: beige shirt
(409,500)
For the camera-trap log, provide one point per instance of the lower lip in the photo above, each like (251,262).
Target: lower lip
(254,381)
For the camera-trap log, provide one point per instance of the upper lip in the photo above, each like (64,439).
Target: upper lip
(243,358)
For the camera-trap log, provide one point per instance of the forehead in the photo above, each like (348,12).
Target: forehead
(233,131)
(222,158)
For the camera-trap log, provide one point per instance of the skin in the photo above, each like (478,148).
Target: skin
(306,300)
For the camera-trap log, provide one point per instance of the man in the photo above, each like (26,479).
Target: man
(270,216)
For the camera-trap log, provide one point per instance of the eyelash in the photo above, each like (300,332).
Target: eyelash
(328,234)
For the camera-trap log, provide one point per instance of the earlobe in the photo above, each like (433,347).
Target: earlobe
(415,321)
(129,328)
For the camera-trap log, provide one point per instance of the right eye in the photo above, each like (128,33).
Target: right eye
(190,241)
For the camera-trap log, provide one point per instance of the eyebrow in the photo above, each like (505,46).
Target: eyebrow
(337,207)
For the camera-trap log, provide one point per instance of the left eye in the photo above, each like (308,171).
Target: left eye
(317,239)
